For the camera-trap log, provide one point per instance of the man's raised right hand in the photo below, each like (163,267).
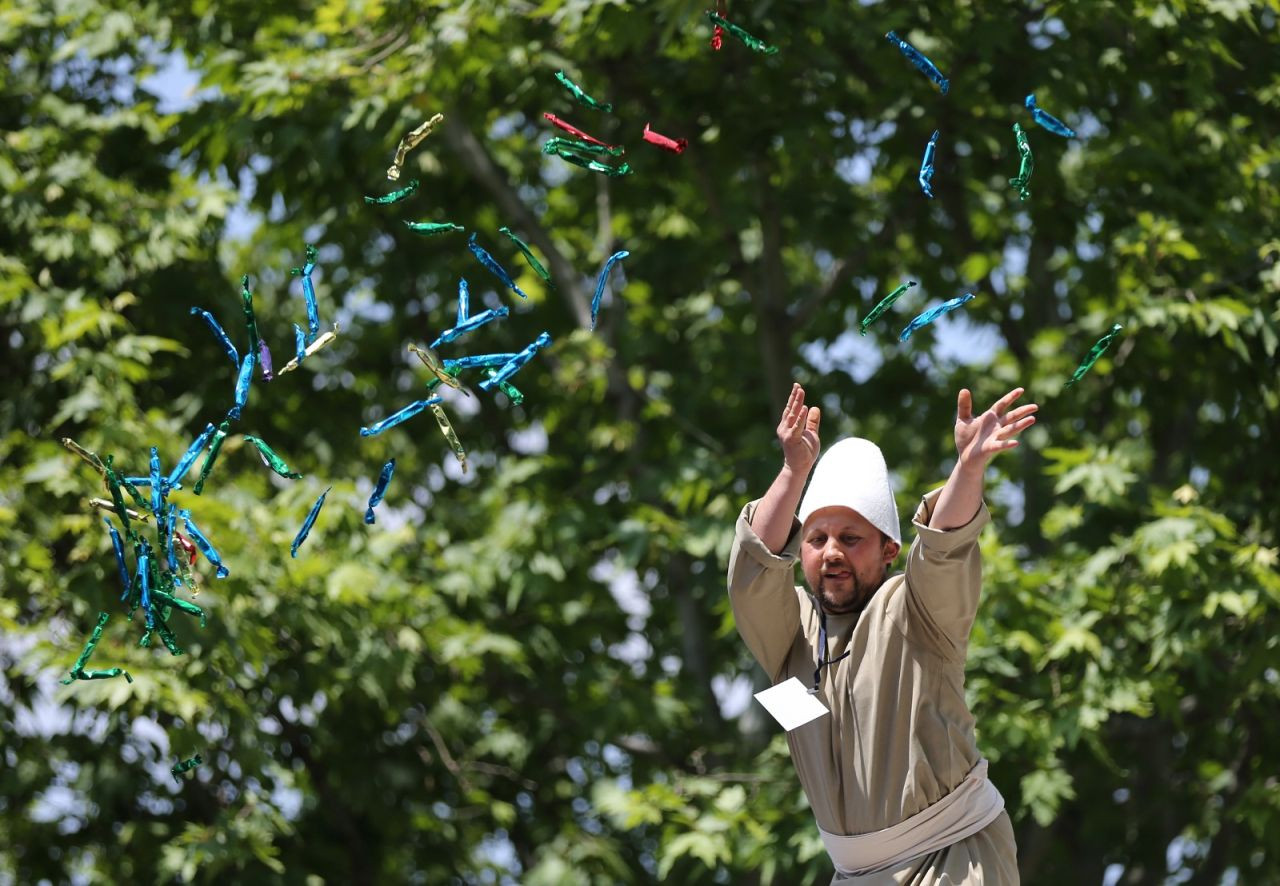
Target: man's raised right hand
(798,433)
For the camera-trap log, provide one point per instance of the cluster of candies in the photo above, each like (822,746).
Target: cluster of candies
(1020,182)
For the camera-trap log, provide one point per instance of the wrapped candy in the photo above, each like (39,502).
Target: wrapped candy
(469,324)
(1094,354)
(512,366)
(1026,166)
(118,546)
(398,417)
(600,281)
(167,638)
(583,99)
(185,766)
(204,544)
(674,145)
(920,61)
(926,166)
(577,133)
(471,361)
(113,485)
(309,290)
(409,142)
(464,300)
(187,547)
(170,529)
(571,155)
(157,484)
(220,334)
(189,457)
(246,296)
(144,584)
(512,392)
(271,459)
(438,369)
(934,313)
(428,229)
(178,603)
(101,504)
(264,357)
(450,435)
(299,344)
(242,384)
(883,306)
(491,263)
(90,458)
(755,44)
(320,343)
(218,436)
(447,372)
(307,524)
(528,255)
(77,670)
(717,33)
(559,145)
(1047,120)
(384,477)
(395,196)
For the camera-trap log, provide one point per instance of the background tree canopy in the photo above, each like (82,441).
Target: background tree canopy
(530,673)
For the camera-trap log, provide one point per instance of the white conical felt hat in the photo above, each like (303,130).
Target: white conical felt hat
(852,474)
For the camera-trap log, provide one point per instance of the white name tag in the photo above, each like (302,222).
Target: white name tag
(791,704)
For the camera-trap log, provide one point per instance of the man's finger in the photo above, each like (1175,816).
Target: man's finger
(1002,405)
(1021,412)
(964,405)
(814,419)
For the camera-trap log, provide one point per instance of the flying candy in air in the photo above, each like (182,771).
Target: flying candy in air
(409,142)
(513,393)
(309,291)
(242,384)
(471,323)
(717,33)
(398,417)
(1094,354)
(1027,165)
(578,156)
(600,281)
(185,766)
(206,548)
(118,547)
(1047,120)
(220,334)
(264,357)
(319,344)
(189,457)
(528,255)
(582,98)
(512,366)
(431,360)
(395,196)
(271,459)
(755,44)
(674,145)
(934,313)
(307,524)
(557,145)
(218,436)
(442,419)
(577,133)
(926,166)
(384,477)
(492,264)
(430,229)
(101,504)
(918,59)
(157,484)
(77,670)
(246,296)
(883,306)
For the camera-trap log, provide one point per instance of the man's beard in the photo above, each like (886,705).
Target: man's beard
(862,593)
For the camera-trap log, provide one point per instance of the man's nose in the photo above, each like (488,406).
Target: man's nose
(831,552)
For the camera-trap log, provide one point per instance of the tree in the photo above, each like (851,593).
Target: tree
(453,693)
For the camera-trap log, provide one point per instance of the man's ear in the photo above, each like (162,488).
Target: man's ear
(891,550)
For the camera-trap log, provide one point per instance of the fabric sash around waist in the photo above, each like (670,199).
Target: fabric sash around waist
(973,805)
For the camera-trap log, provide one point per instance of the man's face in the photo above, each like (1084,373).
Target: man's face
(844,558)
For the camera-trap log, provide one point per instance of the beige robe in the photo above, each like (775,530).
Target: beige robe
(899,736)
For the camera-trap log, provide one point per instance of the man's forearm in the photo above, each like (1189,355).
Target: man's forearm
(773,516)
(960,499)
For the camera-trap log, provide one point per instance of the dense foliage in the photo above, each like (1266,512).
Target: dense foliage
(513,674)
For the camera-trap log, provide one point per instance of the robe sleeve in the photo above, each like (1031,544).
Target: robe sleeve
(762,592)
(943,581)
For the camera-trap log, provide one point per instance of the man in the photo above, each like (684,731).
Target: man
(892,773)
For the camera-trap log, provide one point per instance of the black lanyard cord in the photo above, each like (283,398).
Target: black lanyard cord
(823,661)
